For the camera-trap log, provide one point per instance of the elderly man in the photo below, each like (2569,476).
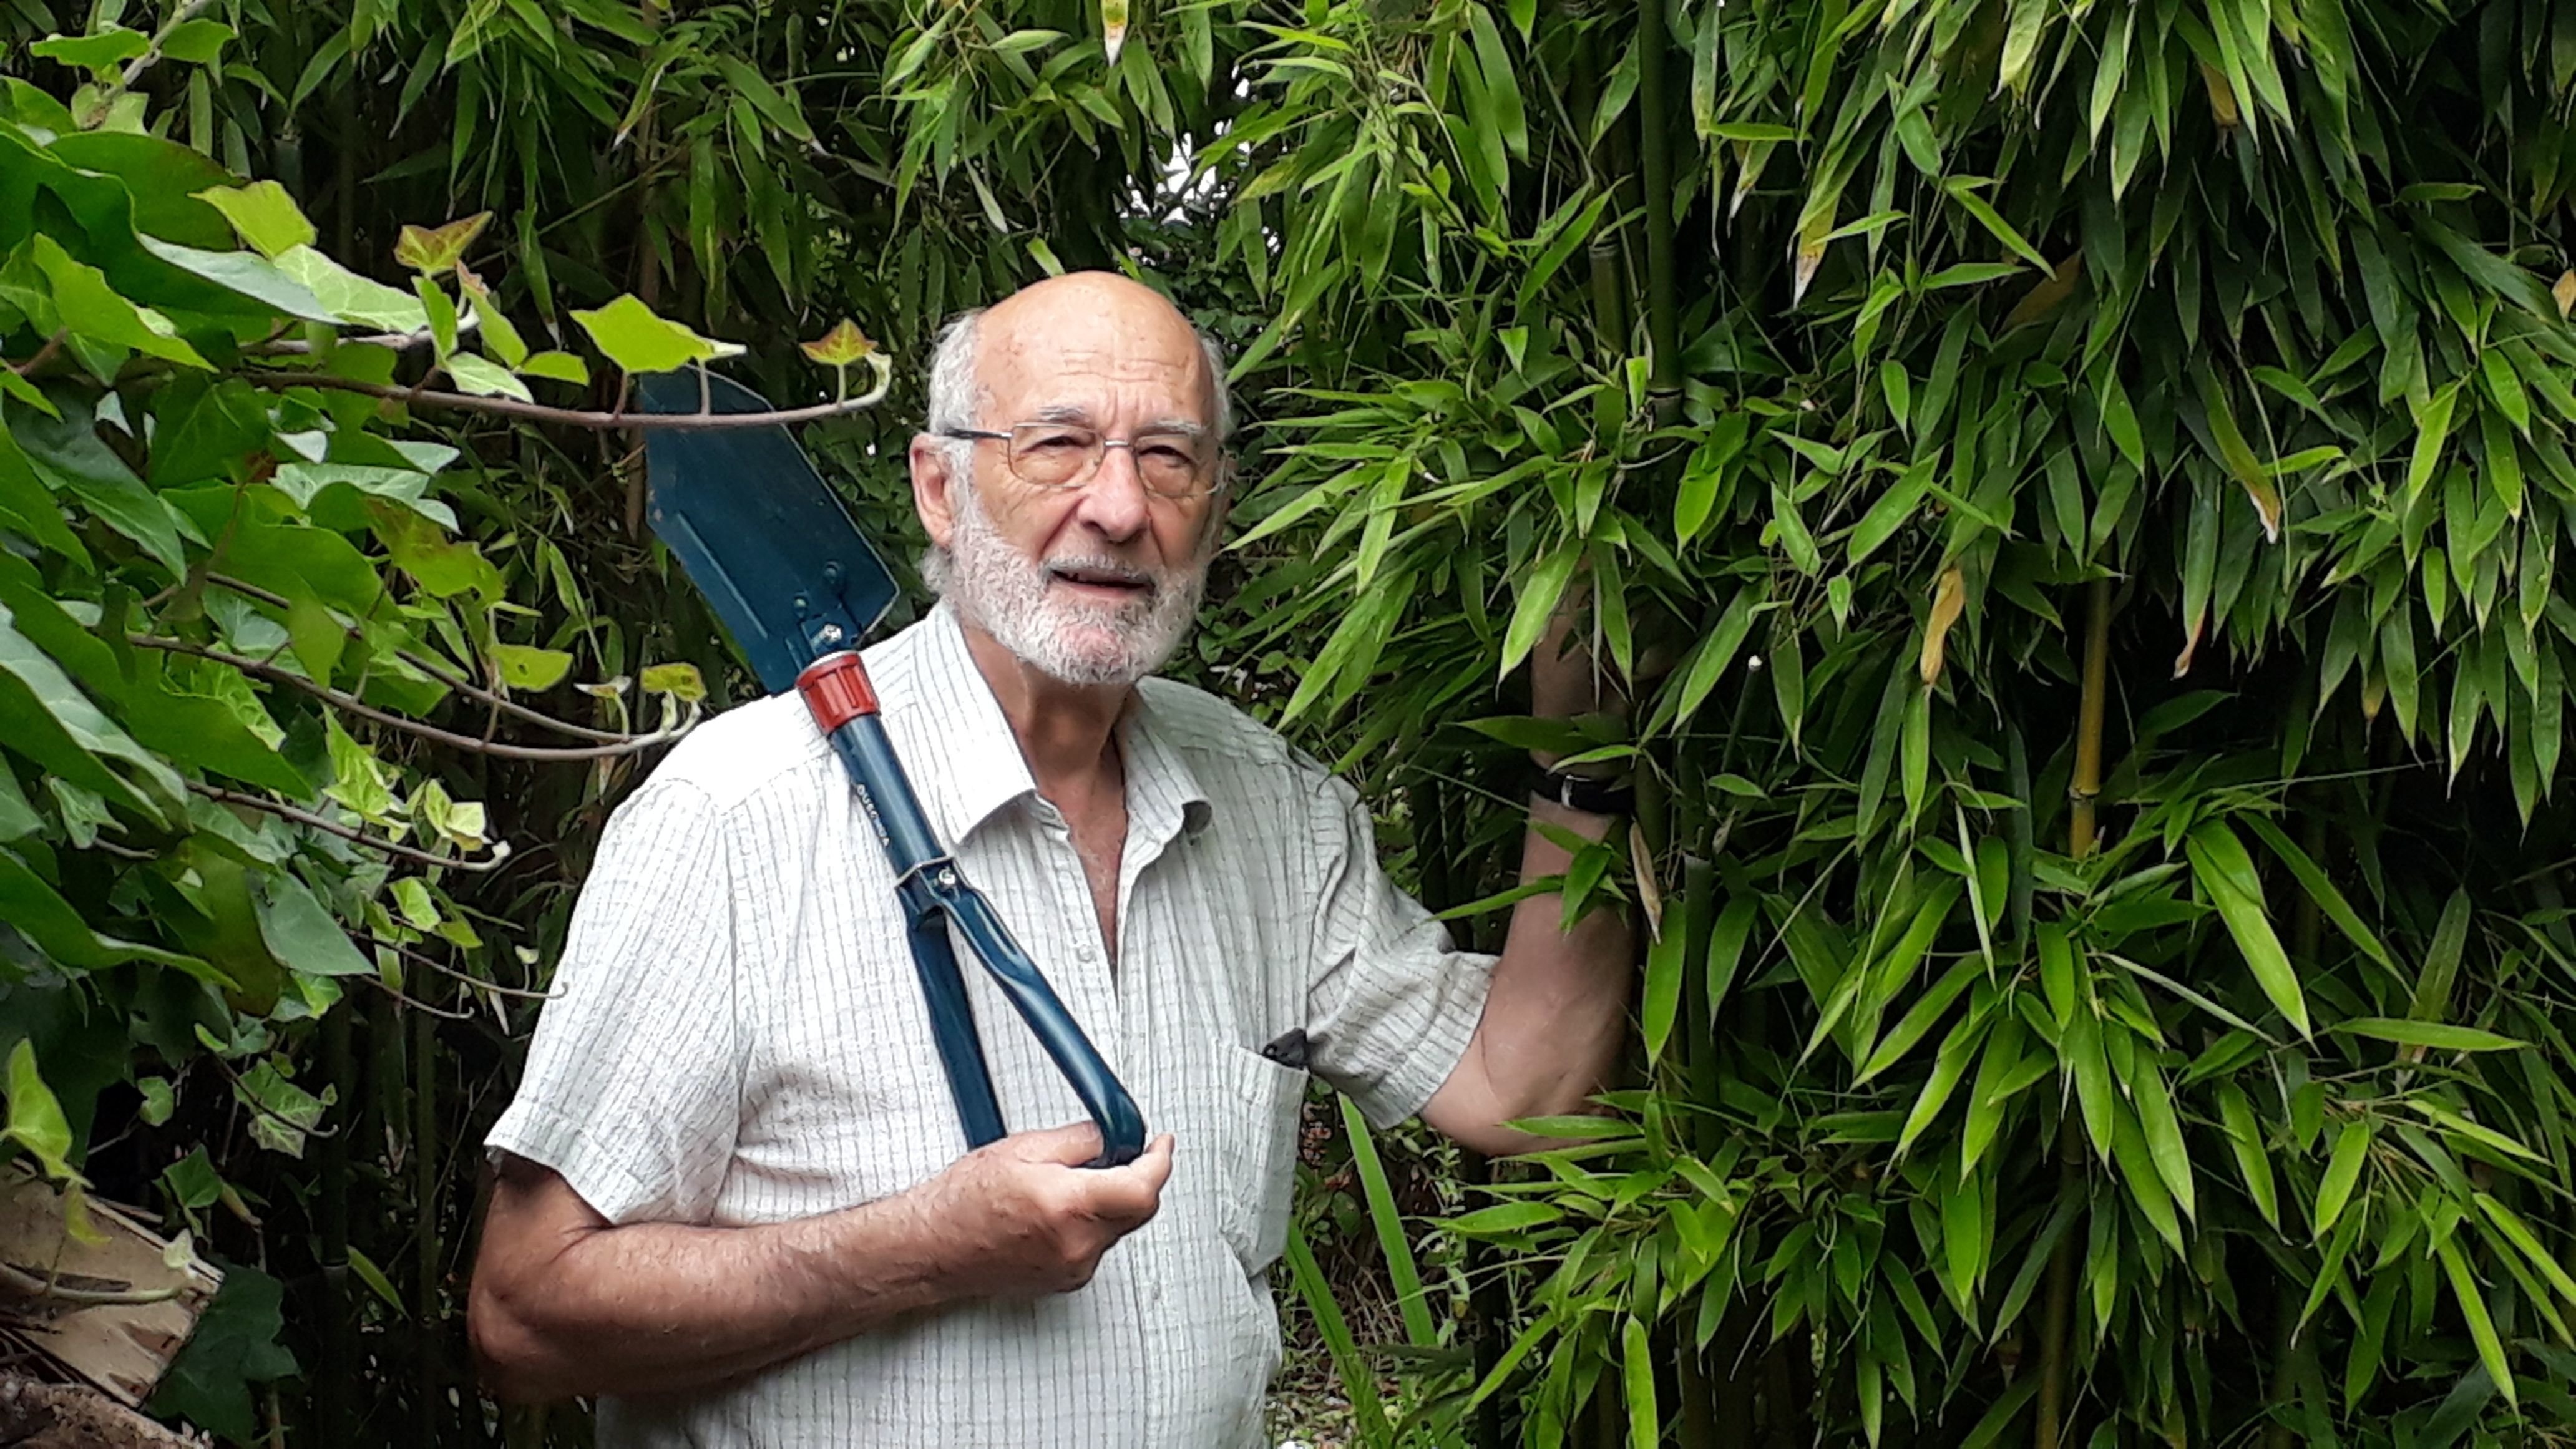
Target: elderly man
(733,1198)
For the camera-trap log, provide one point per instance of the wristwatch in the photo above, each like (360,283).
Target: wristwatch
(1590,794)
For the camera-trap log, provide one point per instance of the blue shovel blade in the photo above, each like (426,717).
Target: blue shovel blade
(758,530)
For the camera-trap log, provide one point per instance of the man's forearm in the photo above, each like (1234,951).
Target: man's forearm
(1558,1006)
(653,1308)
(1555,1009)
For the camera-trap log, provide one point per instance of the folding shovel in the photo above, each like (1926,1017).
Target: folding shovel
(782,565)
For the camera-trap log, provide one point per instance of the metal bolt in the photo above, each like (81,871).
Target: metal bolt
(829,634)
(948,880)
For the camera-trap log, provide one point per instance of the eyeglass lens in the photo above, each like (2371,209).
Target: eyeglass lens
(1052,455)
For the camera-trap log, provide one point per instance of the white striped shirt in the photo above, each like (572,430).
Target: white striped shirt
(739,1038)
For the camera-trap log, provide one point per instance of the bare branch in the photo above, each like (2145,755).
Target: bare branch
(434,964)
(328,826)
(297,346)
(631,744)
(443,675)
(28,1285)
(415,1002)
(573,418)
(43,355)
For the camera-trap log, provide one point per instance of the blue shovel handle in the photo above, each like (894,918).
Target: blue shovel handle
(935,895)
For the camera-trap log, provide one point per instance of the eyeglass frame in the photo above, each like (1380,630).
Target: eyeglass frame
(1220,474)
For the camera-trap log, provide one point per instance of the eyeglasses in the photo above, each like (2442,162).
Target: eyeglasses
(1061,455)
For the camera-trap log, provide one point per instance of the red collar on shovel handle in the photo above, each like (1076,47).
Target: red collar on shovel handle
(836,690)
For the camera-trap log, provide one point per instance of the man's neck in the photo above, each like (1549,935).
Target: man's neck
(1066,731)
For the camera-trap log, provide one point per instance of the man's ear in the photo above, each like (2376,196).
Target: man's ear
(930,484)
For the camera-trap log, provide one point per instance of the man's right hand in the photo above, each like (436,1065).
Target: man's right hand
(1023,1217)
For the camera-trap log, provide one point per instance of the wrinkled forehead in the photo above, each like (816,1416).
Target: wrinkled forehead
(1067,366)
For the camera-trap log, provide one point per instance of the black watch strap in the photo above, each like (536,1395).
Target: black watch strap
(1587,793)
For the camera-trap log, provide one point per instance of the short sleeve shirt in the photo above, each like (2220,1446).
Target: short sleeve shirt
(738,1038)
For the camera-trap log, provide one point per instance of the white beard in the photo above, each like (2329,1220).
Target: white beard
(1008,595)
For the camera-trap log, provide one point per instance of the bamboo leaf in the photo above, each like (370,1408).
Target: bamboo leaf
(1538,601)
(1949,597)
(1957,1050)
(2432,996)
(2227,875)
(2473,1309)
(1726,946)
(1638,1358)
(2245,1137)
(1893,510)
(2432,430)
(1715,652)
(2238,455)
(1962,189)
(2343,1170)
(2146,1183)
(1662,999)
(1359,1380)
(2321,890)
(1402,1273)
(2437,1036)
(2163,1132)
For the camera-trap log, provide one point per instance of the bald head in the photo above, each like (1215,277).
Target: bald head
(1098,323)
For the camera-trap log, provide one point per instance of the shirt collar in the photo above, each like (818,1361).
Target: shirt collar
(938,699)
(1164,797)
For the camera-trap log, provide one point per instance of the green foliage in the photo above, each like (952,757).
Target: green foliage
(1962,1054)
(2179,1058)
(235,1346)
(234,598)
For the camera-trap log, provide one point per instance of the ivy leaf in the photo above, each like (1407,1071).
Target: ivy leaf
(100,53)
(301,933)
(499,335)
(285,1114)
(36,1120)
(268,219)
(632,336)
(350,297)
(523,667)
(841,346)
(430,250)
(90,308)
(444,566)
(485,378)
(680,681)
(235,1345)
(557,367)
(198,42)
(159,1101)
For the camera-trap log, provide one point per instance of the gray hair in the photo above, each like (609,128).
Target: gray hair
(956,397)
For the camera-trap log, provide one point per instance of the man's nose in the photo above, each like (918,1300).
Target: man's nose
(1114,502)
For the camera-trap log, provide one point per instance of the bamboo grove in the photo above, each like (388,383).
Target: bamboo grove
(2071,491)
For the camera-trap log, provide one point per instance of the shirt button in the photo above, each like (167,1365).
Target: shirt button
(1085,954)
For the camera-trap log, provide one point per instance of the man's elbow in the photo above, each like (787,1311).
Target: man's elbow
(512,1354)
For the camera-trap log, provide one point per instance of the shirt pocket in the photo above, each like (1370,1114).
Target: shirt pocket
(1260,1156)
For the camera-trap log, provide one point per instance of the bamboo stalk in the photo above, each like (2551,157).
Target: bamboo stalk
(2082,828)
(429,1416)
(1654,152)
(2056,1344)
(333,1395)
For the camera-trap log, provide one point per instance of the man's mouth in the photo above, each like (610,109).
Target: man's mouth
(1103,579)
